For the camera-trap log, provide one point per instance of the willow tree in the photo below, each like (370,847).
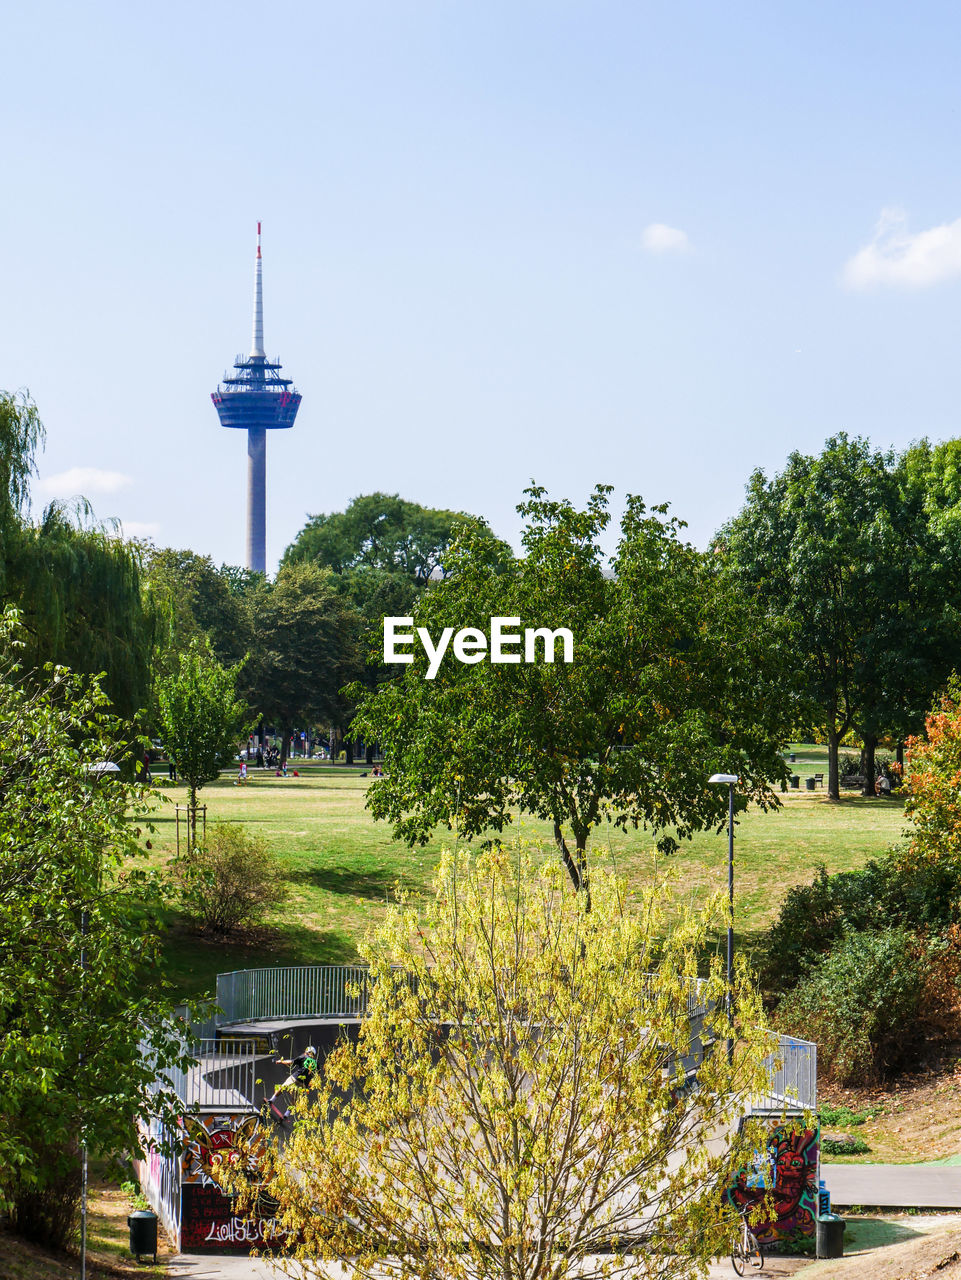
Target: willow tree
(76,585)
(21,432)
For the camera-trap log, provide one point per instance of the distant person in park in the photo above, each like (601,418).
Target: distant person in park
(260,757)
(303,1068)
(882,785)
(242,776)
(171,769)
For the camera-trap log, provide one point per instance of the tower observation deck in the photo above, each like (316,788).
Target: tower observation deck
(256,400)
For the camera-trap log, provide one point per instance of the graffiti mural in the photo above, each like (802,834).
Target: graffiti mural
(216,1141)
(209,1220)
(792,1164)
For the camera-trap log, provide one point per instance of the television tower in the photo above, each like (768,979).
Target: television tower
(256,400)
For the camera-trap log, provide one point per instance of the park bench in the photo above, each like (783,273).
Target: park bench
(819,779)
(851,780)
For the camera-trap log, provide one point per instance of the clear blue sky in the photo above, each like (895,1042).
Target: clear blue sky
(655,245)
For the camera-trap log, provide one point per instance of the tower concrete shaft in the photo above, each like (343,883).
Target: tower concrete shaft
(257,400)
(257,499)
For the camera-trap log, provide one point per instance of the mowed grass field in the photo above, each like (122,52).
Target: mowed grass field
(342,867)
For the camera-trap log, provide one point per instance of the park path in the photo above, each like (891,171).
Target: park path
(897,1186)
(195,1266)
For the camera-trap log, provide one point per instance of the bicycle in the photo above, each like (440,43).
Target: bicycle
(746,1251)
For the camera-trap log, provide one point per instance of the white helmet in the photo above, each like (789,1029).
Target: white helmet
(310,1052)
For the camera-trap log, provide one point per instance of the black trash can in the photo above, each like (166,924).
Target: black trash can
(809,783)
(143,1233)
(795,781)
(792,757)
(830,1236)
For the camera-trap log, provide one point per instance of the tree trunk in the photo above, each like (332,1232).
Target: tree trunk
(369,754)
(834,780)
(576,866)
(192,823)
(284,744)
(349,750)
(867,765)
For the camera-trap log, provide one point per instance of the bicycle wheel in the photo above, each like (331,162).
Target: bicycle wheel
(755,1254)
(739,1256)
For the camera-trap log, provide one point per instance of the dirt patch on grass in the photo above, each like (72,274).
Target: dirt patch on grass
(107,1251)
(933,1255)
(915,1118)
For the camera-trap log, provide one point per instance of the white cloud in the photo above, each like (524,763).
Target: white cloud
(896,257)
(660,238)
(83,480)
(138,528)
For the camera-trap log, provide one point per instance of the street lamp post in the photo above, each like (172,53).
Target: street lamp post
(728,780)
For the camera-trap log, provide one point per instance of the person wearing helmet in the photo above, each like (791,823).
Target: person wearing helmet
(303,1068)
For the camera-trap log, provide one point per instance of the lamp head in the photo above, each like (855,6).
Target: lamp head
(729,778)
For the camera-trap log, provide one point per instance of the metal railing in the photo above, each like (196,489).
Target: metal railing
(223,1076)
(792,1068)
(314,991)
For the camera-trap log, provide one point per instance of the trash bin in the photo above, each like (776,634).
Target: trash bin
(795,781)
(792,757)
(809,783)
(830,1236)
(143,1233)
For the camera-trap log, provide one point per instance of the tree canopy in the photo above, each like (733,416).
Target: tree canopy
(841,549)
(196,600)
(305,648)
(76,937)
(201,717)
(381,532)
(517,1105)
(671,680)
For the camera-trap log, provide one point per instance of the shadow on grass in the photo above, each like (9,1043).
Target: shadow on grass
(874,1233)
(375,883)
(193,960)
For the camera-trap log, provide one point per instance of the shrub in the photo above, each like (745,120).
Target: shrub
(858,1002)
(230,881)
(845,1146)
(883,894)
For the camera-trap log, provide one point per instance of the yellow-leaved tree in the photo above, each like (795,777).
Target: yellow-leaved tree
(536,1090)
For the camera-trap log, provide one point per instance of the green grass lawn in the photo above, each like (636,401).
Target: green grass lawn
(342,866)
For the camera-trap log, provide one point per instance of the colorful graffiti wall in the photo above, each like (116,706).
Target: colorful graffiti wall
(792,1166)
(209,1221)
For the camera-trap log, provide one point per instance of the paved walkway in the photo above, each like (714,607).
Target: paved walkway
(215,1266)
(194,1266)
(896,1186)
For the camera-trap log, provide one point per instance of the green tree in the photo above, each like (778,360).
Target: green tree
(202,719)
(21,433)
(381,532)
(515,1107)
(76,585)
(839,547)
(79,591)
(305,649)
(197,601)
(672,679)
(77,937)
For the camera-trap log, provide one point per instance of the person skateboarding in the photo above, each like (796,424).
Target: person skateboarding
(303,1068)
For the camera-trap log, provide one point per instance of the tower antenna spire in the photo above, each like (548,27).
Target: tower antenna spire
(257,346)
(256,399)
